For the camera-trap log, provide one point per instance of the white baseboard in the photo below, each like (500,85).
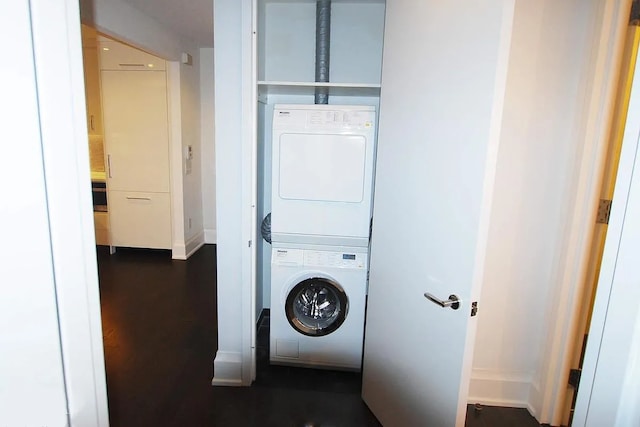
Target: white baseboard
(535,402)
(500,389)
(194,243)
(227,369)
(182,251)
(210,236)
(179,251)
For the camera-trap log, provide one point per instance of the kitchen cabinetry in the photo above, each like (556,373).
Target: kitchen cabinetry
(141,220)
(137,147)
(101,225)
(118,56)
(93,103)
(92,89)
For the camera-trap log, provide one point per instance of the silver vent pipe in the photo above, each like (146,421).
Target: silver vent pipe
(323,47)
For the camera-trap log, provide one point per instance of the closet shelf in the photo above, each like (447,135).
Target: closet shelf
(334,1)
(308,88)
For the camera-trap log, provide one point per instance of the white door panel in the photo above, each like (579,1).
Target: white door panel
(32,383)
(440,117)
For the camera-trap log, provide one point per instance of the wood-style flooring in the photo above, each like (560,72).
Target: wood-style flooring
(159,324)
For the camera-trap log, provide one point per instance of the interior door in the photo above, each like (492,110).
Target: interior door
(32,385)
(443,80)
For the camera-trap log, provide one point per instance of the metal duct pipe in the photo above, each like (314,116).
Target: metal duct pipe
(323,42)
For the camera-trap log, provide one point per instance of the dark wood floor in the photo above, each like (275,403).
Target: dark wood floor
(159,326)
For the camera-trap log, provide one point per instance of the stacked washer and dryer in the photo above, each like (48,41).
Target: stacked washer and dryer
(322,187)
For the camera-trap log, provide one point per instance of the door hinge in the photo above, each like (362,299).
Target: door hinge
(249,244)
(574,377)
(604,211)
(474,308)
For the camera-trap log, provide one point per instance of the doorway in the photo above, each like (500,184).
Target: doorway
(181,172)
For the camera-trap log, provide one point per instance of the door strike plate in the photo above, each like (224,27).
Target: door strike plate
(604,211)
(474,308)
(574,377)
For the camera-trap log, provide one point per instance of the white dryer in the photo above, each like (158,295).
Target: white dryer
(322,174)
(318,306)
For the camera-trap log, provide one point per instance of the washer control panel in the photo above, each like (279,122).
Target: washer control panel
(313,258)
(291,257)
(352,260)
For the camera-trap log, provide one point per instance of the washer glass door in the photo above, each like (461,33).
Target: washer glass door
(316,306)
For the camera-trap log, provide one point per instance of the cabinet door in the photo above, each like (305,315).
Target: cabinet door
(136,130)
(118,56)
(101,226)
(92,90)
(140,220)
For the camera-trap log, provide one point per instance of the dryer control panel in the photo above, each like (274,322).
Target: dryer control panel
(338,118)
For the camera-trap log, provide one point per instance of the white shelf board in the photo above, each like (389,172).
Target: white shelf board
(308,88)
(334,1)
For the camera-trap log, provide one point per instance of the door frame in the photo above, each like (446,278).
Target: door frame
(66,181)
(249,16)
(613,156)
(60,85)
(607,395)
(603,68)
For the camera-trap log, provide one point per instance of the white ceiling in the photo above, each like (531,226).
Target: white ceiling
(192,19)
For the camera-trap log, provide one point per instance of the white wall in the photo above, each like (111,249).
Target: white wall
(289,41)
(208,144)
(229,209)
(120,20)
(535,173)
(191,136)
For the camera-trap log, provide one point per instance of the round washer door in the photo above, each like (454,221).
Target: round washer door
(316,306)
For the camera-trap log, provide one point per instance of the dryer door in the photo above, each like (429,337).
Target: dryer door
(316,306)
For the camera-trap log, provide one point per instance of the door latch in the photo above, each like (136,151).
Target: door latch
(474,308)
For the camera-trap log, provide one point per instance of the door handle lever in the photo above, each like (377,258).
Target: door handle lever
(453,301)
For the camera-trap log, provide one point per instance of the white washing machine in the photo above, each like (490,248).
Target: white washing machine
(318,298)
(322,174)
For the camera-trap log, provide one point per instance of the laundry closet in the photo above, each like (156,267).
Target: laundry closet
(318,92)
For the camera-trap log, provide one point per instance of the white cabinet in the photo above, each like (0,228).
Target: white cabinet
(92,89)
(136,132)
(137,148)
(101,227)
(117,56)
(140,220)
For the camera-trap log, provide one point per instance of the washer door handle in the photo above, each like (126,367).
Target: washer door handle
(453,301)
